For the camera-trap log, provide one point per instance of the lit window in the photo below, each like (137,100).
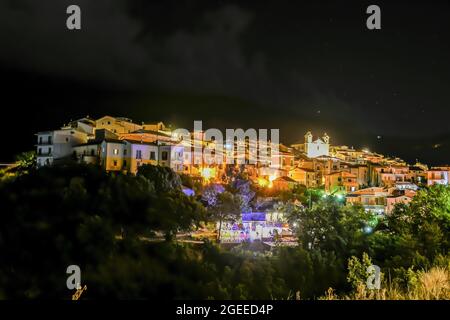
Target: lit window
(116,151)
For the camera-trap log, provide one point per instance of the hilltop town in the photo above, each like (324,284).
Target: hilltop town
(361,176)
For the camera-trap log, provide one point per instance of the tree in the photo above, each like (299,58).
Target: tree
(424,224)
(163,178)
(243,189)
(224,207)
(26,161)
(330,226)
(174,211)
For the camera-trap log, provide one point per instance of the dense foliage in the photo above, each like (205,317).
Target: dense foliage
(120,229)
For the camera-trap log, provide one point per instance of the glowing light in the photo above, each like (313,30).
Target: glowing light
(208,173)
(263,182)
(368,229)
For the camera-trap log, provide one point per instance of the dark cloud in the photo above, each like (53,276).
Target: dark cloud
(289,65)
(112,49)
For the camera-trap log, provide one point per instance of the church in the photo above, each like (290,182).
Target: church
(313,149)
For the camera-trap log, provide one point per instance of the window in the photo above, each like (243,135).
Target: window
(124,163)
(115,163)
(152,155)
(40,140)
(49,139)
(164,155)
(49,150)
(138,154)
(116,151)
(92,152)
(124,152)
(109,122)
(40,151)
(67,139)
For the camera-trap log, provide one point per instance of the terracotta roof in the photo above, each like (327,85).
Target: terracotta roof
(140,142)
(284,178)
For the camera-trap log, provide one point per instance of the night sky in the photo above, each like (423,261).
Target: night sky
(296,66)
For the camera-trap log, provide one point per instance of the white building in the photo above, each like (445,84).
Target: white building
(313,149)
(172,156)
(317,148)
(57,145)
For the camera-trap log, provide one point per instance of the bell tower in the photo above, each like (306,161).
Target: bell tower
(326,138)
(308,137)
(317,148)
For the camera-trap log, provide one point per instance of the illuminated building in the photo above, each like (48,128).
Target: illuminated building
(57,145)
(256,226)
(438,175)
(381,200)
(284,183)
(304,176)
(116,124)
(341,181)
(119,144)
(316,148)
